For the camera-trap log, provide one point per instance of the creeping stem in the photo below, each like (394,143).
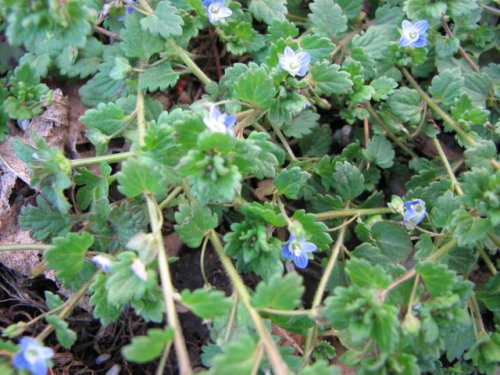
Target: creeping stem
(318,296)
(184,56)
(113,158)
(156,218)
(277,363)
(347,212)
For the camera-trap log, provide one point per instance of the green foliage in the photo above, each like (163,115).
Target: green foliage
(193,223)
(43,222)
(268,10)
(289,182)
(314,230)
(237,357)
(67,256)
(316,156)
(328,79)
(279,292)
(327,17)
(164,21)
(146,348)
(256,87)
(65,336)
(207,304)
(139,176)
(26,92)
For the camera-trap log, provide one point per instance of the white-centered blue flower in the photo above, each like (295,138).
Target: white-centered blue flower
(297,249)
(219,122)
(216,10)
(413,35)
(297,64)
(139,269)
(33,357)
(414,213)
(102,262)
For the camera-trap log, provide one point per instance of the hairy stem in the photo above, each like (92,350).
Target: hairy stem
(462,52)
(24,246)
(449,170)
(347,212)
(277,363)
(467,138)
(113,158)
(195,69)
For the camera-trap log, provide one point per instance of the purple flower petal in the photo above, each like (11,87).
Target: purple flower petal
(421,26)
(406,25)
(404,41)
(300,260)
(421,41)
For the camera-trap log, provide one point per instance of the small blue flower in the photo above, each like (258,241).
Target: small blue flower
(103,262)
(297,249)
(413,35)
(216,10)
(219,122)
(33,357)
(297,64)
(414,213)
(129,9)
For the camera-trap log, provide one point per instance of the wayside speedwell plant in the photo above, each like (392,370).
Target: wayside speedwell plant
(337,159)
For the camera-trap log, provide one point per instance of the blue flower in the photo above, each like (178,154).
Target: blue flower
(216,10)
(414,213)
(413,35)
(219,122)
(103,262)
(33,357)
(297,249)
(296,64)
(129,9)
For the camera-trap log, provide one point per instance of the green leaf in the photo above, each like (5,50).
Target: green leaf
(364,274)
(67,256)
(65,336)
(266,155)
(422,9)
(314,230)
(146,348)
(465,111)
(193,223)
(158,77)
(446,47)
(93,188)
(351,8)
(327,79)
(447,86)
(164,21)
(348,181)
(138,42)
(102,88)
(469,230)
(490,294)
(121,69)
(320,368)
(392,240)
(438,279)
(52,300)
(442,212)
(123,285)
(281,30)
(383,86)
(138,176)
(266,212)
(256,87)
(327,17)
(207,304)
(238,357)
(83,62)
(279,292)
(104,123)
(103,310)
(301,124)
(405,105)
(268,10)
(289,182)
(380,151)
(319,47)
(43,221)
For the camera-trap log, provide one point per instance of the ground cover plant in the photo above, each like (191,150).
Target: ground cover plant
(326,170)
